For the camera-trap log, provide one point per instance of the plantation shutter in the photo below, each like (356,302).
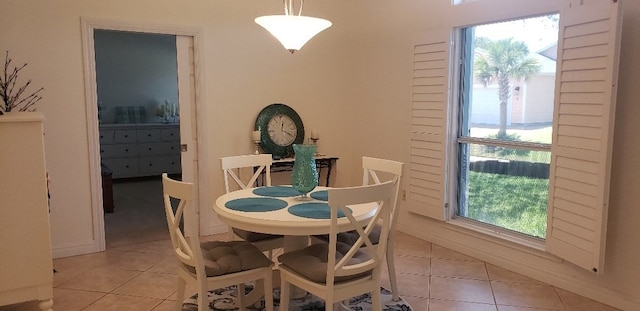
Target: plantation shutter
(588,51)
(427,174)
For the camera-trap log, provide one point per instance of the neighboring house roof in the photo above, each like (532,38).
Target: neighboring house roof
(546,57)
(550,51)
(546,65)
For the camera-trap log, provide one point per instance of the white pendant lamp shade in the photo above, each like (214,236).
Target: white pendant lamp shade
(293,31)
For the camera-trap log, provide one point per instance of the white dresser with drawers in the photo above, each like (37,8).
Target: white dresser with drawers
(136,150)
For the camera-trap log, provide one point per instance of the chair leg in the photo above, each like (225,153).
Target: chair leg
(329,301)
(268,291)
(329,306)
(203,295)
(180,294)
(285,293)
(203,301)
(391,267)
(241,301)
(375,300)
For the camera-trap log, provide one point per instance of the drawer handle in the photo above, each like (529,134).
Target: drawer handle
(150,148)
(149,135)
(126,150)
(127,166)
(150,164)
(126,136)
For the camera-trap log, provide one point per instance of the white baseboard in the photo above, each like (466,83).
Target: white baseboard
(81,248)
(515,260)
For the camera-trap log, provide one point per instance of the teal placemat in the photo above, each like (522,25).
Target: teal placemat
(313,210)
(322,195)
(276,191)
(256,204)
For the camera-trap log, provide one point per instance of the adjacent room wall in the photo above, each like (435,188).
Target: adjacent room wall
(135,70)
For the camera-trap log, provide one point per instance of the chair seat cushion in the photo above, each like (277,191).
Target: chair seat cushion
(221,257)
(254,236)
(350,237)
(311,261)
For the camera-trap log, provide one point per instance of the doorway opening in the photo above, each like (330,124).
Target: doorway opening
(163,126)
(138,115)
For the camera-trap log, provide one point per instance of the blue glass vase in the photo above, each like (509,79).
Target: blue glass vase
(304,177)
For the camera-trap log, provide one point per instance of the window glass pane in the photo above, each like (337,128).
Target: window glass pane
(509,194)
(458,2)
(506,104)
(513,66)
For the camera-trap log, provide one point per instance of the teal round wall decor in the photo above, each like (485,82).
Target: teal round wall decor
(280,127)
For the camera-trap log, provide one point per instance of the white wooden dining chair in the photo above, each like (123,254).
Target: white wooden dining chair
(336,271)
(256,166)
(376,171)
(214,264)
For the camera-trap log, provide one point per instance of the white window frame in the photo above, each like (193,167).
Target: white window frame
(454,124)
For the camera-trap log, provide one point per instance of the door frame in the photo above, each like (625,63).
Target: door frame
(89,25)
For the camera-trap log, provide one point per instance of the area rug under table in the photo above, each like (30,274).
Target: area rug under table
(222,299)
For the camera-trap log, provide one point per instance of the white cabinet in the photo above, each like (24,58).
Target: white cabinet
(135,150)
(26,265)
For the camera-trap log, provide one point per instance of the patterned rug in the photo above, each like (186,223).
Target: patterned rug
(222,299)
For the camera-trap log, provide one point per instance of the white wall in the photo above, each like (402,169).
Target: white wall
(351,82)
(243,69)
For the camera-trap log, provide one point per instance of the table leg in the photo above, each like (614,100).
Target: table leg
(292,243)
(329,165)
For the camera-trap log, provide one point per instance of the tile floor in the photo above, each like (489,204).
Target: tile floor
(139,275)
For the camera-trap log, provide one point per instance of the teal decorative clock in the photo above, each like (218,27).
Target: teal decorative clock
(280,127)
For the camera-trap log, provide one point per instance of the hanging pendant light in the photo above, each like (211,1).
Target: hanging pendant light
(293,31)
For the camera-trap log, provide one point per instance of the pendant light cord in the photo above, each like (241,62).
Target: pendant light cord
(289,7)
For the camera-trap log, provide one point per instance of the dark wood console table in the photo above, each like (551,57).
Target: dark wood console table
(286,165)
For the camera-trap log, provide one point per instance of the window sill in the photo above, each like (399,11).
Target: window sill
(519,242)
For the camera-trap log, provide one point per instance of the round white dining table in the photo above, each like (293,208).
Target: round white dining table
(284,213)
(284,221)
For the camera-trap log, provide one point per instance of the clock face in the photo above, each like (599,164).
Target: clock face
(280,127)
(282,130)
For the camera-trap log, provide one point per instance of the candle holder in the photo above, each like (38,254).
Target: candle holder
(256,149)
(255,137)
(315,143)
(314,137)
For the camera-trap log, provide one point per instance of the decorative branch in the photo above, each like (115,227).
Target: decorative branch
(11,96)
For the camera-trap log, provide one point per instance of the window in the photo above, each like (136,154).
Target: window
(459,2)
(506,111)
(581,131)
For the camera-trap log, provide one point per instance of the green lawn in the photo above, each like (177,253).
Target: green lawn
(513,202)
